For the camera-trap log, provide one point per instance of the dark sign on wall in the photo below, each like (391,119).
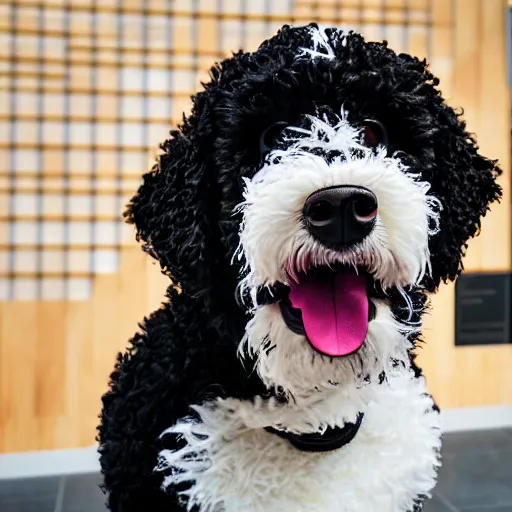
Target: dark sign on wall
(482,309)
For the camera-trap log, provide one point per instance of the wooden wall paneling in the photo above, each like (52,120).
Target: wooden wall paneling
(496,228)
(440,42)
(494,135)
(18,376)
(106,314)
(157,284)
(472,376)
(488,379)
(78,375)
(50,368)
(467,86)
(398,25)
(55,358)
(211,6)
(418,42)
(132,292)
(418,36)
(366,11)
(207,37)
(436,355)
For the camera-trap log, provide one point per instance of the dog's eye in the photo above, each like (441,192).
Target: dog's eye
(374,134)
(269,136)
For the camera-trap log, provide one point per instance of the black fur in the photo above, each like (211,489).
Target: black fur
(184,215)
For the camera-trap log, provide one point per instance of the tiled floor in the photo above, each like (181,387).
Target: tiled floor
(476,477)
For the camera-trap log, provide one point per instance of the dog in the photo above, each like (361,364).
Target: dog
(320,190)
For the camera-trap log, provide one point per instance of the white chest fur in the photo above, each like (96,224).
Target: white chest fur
(239,467)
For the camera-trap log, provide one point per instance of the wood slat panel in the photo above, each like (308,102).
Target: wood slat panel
(389,5)
(6,192)
(78,371)
(18,375)
(108,58)
(467,86)
(50,367)
(25,86)
(474,376)
(58,147)
(101,119)
(494,123)
(436,356)
(131,282)
(324,17)
(157,284)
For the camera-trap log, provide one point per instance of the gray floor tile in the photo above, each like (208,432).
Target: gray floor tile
(498,508)
(476,476)
(477,441)
(436,505)
(17,488)
(29,495)
(37,505)
(83,494)
(472,479)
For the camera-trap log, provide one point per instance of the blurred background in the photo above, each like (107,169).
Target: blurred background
(89,88)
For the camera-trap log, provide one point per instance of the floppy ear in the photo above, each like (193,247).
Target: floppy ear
(174,214)
(465,183)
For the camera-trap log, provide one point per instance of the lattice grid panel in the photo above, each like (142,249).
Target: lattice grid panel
(88,89)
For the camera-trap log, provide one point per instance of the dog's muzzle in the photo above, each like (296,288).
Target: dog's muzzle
(340,216)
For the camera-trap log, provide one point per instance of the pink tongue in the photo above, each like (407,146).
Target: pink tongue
(334,310)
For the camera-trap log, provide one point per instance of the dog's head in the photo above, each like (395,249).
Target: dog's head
(326,181)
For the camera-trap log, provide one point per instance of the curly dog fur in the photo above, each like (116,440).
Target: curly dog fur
(184,425)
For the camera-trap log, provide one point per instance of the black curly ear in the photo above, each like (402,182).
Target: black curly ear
(173,213)
(465,183)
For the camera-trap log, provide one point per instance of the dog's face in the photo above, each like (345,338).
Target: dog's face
(327,175)
(338,220)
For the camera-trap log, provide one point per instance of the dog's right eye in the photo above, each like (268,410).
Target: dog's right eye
(269,136)
(374,134)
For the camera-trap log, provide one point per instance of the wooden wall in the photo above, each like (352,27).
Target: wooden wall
(476,79)
(56,351)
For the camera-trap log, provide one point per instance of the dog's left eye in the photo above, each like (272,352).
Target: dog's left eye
(374,134)
(269,136)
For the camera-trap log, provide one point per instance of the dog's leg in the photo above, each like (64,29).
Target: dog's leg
(143,399)
(167,369)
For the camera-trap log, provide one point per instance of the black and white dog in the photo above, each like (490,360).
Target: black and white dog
(319,190)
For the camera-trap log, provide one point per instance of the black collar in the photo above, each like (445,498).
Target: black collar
(331,439)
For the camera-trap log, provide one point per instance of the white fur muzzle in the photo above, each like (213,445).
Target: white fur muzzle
(235,465)
(286,360)
(273,239)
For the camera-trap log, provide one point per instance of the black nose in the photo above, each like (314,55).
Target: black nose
(340,216)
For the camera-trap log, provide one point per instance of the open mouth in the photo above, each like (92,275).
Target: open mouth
(332,308)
